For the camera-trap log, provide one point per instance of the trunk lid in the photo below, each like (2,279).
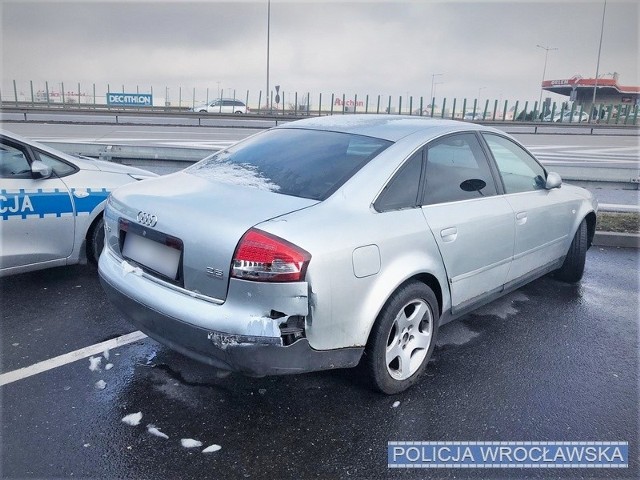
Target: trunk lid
(207,216)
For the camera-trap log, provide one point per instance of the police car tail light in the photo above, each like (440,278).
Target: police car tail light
(263,257)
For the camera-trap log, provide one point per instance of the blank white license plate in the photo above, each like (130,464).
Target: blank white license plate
(154,255)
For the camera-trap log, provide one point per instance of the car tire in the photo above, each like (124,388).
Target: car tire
(202,111)
(238,112)
(573,267)
(95,241)
(402,339)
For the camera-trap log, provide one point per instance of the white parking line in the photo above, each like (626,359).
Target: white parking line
(70,357)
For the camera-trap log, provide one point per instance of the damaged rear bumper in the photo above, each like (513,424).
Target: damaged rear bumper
(238,335)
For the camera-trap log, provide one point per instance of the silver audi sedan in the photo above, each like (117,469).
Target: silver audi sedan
(331,242)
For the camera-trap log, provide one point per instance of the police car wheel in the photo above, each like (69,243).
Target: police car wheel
(95,241)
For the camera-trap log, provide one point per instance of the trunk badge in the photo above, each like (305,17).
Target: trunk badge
(215,272)
(147,219)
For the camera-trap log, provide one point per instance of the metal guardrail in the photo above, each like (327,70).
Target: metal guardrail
(163,116)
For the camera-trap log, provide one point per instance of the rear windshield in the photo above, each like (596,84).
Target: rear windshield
(302,163)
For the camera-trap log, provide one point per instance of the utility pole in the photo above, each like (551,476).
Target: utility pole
(433,80)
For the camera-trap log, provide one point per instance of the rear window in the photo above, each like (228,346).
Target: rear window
(303,163)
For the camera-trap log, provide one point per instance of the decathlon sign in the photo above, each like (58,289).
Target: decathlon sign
(130,99)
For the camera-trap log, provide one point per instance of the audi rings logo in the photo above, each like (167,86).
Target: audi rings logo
(147,219)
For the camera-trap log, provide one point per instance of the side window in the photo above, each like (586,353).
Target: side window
(402,189)
(457,169)
(59,167)
(520,171)
(228,103)
(13,162)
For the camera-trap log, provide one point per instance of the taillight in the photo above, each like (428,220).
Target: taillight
(264,257)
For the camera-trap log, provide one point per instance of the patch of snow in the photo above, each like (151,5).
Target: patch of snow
(108,366)
(190,443)
(396,404)
(101,384)
(212,448)
(94,363)
(15,344)
(133,419)
(105,354)
(154,431)
(245,175)
(262,391)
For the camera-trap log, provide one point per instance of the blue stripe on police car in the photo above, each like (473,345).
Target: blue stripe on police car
(23,203)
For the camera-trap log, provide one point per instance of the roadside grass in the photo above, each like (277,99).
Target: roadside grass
(618,222)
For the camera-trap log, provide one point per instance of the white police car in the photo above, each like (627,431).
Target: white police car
(51,204)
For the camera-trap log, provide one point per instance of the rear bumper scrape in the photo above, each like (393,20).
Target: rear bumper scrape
(243,338)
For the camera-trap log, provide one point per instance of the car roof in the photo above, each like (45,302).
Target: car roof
(387,127)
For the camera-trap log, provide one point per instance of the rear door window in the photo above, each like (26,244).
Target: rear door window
(303,163)
(457,169)
(402,191)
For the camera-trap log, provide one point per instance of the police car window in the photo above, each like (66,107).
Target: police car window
(59,167)
(457,169)
(13,162)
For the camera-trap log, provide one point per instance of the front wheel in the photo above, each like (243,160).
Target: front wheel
(573,267)
(95,241)
(402,339)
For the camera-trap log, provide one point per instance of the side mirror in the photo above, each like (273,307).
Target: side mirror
(553,181)
(40,169)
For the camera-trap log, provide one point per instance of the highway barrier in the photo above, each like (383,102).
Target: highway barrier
(295,104)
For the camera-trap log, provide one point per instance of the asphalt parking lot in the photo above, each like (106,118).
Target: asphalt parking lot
(547,362)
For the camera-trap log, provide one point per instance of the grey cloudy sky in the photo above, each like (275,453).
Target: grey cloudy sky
(388,48)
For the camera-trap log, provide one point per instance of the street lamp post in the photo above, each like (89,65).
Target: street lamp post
(544,70)
(268,39)
(595,84)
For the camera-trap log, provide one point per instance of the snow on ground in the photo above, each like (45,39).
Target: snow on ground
(190,443)
(133,419)
(94,363)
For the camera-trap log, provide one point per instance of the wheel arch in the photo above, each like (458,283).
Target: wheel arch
(591,227)
(425,278)
(86,251)
(432,282)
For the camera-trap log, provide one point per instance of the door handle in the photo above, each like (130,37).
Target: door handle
(521,218)
(449,234)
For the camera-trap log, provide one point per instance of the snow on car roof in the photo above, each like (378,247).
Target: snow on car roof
(388,127)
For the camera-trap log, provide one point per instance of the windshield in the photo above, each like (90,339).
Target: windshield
(303,163)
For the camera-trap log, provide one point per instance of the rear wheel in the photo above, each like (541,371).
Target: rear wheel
(573,267)
(402,339)
(95,241)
